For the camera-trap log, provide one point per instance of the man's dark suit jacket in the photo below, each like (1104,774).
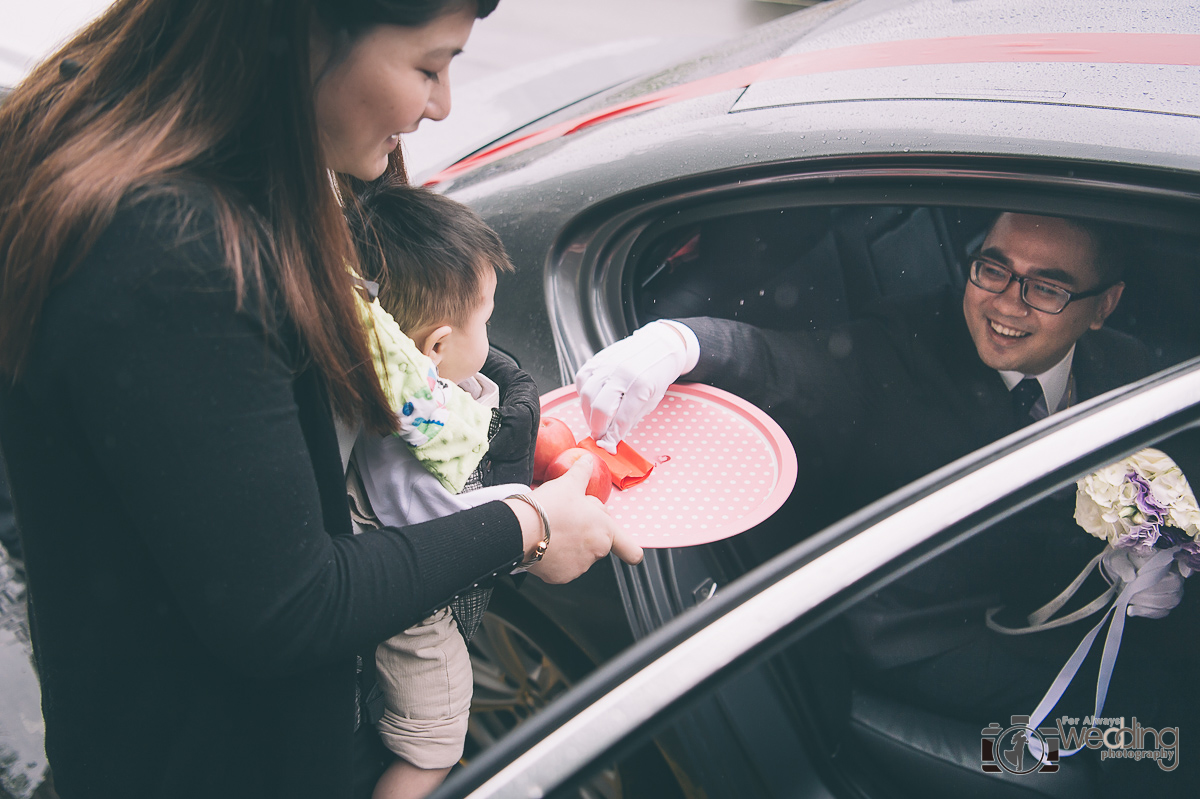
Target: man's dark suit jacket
(889,398)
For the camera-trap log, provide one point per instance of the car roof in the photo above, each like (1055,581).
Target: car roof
(1055,53)
(1096,69)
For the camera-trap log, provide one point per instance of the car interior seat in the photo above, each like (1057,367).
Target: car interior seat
(930,755)
(886,747)
(893,251)
(803,268)
(1161,291)
(777,269)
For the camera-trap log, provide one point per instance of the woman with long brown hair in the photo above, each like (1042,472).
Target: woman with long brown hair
(177,322)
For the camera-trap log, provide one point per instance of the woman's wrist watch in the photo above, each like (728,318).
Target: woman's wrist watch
(539,551)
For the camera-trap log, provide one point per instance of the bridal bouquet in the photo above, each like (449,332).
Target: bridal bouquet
(1144,504)
(1144,510)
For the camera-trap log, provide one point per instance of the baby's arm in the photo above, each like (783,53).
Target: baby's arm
(510,451)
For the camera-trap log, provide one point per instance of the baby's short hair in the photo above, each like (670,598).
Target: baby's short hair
(427,252)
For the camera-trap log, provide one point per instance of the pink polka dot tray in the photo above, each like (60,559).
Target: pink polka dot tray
(722,466)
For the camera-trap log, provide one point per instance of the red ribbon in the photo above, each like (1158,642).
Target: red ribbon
(628,467)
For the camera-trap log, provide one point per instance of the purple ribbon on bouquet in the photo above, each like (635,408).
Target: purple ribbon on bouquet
(1148,574)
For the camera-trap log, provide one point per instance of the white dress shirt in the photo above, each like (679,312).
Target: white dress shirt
(1054,381)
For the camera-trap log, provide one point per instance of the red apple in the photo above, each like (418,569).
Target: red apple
(599,484)
(553,439)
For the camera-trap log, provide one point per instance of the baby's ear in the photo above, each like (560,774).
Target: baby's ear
(433,343)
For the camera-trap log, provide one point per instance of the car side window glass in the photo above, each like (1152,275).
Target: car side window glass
(939,664)
(920,686)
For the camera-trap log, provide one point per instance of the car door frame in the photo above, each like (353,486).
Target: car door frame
(809,583)
(588,272)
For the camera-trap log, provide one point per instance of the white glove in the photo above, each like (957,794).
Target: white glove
(626,380)
(1152,602)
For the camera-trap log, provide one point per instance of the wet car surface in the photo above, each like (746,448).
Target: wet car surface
(851,154)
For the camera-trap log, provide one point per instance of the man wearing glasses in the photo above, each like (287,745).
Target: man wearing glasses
(889,397)
(915,383)
(1036,287)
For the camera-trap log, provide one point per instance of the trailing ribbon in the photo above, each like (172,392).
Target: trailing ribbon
(1147,575)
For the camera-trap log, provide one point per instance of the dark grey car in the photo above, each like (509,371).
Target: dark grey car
(850,153)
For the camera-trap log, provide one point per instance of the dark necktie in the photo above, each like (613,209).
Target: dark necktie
(1024,396)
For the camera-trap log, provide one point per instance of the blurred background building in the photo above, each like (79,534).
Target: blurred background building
(519,32)
(528,58)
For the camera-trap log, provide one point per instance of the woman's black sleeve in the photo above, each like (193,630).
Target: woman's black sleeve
(188,403)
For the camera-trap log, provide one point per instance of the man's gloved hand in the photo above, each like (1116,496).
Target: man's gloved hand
(1152,602)
(626,380)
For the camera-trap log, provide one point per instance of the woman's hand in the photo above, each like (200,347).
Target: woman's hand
(582,532)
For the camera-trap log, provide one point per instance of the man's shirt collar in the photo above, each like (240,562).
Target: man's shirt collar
(1054,381)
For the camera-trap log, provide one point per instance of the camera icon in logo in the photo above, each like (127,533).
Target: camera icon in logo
(1008,749)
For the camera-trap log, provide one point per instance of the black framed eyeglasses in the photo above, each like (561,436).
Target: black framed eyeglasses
(1037,294)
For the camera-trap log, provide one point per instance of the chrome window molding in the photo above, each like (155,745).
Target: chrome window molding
(1054,446)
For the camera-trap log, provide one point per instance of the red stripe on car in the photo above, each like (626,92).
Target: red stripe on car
(1081,48)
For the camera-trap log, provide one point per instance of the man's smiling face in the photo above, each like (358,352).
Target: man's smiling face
(1008,334)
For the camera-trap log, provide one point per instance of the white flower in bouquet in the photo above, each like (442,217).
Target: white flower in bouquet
(1101,498)
(1089,514)
(1142,502)
(1172,491)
